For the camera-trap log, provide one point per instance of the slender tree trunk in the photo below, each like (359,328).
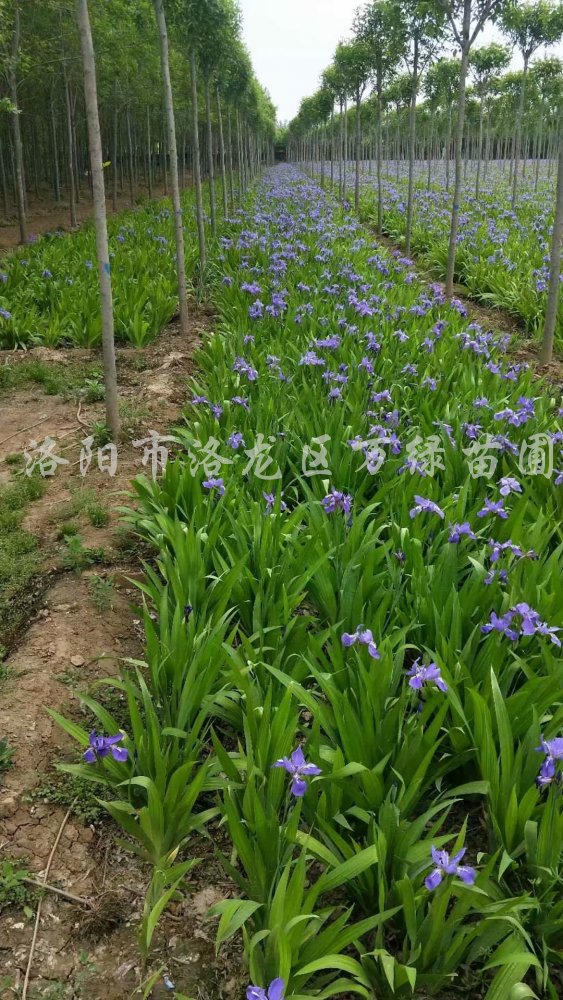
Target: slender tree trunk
(197,164)
(210,166)
(114,171)
(96,162)
(56,175)
(518,131)
(16,128)
(430,156)
(358,152)
(70,150)
(479,148)
(176,202)
(230,158)
(379,157)
(130,157)
(3,183)
(412,141)
(555,266)
(222,155)
(149,153)
(332,149)
(341,151)
(458,144)
(448,147)
(344,178)
(538,157)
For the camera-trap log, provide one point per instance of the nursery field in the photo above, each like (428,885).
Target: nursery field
(355,664)
(503,253)
(281,502)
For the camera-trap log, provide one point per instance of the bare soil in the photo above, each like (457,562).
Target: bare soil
(72,641)
(45,215)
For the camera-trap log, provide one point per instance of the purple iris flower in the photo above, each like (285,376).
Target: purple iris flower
(101,746)
(200,401)
(241,401)
(448,866)
(531,623)
(337,501)
(215,484)
(236,441)
(458,530)
(481,402)
(501,624)
(428,506)
(5,314)
(509,485)
(273,992)
(270,499)
(493,507)
(299,769)
(365,637)
(553,750)
(421,675)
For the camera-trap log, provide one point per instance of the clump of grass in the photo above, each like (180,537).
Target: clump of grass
(20,558)
(67,790)
(6,754)
(77,557)
(101,591)
(13,888)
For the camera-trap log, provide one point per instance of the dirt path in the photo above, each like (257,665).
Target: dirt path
(81,628)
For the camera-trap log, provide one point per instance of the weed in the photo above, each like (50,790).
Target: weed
(93,390)
(16,458)
(13,889)
(65,791)
(97,515)
(101,434)
(67,529)
(132,414)
(20,559)
(78,557)
(101,590)
(6,754)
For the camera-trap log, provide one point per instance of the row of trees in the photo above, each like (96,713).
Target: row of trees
(45,150)
(115,67)
(398,55)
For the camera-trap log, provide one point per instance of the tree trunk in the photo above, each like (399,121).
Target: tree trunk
(210,165)
(18,147)
(96,162)
(358,152)
(56,175)
(149,153)
(518,131)
(3,183)
(332,149)
(230,158)
(344,178)
(479,148)
(197,164)
(447,147)
(458,144)
(379,157)
(70,150)
(341,150)
(130,158)
(412,140)
(554,267)
(114,171)
(176,203)
(222,154)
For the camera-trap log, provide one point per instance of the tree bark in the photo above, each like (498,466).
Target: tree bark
(176,203)
(3,183)
(554,266)
(412,140)
(358,152)
(102,247)
(379,156)
(222,154)
(230,158)
(458,144)
(56,175)
(518,131)
(210,165)
(197,164)
(70,143)
(16,129)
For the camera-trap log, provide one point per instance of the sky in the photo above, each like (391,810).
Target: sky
(292,41)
